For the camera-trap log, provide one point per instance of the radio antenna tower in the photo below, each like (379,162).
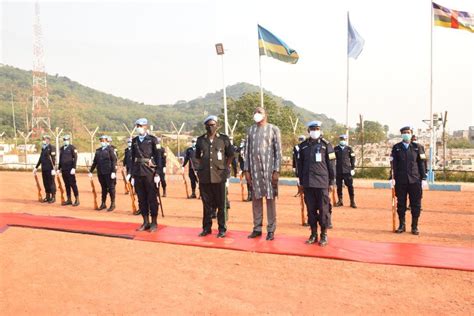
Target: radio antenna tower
(40,120)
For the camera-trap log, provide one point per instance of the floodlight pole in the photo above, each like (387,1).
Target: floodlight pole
(56,133)
(91,134)
(178,132)
(25,137)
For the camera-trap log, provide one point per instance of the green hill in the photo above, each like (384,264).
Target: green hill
(73,105)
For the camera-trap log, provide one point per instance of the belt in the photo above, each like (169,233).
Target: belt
(142,160)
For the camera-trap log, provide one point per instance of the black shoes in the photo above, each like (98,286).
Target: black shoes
(414,226)
(339,203)
(193,195)
(254,234)
(312,239)
(214,215)
(324,238)
(52,199)
(145,225)
(76,202)
(154,224)
(221,234)
(68,202)
(112,207)
(102,206)
(270,236)
(46,199)
(401,228)
(353,203)
(204,233)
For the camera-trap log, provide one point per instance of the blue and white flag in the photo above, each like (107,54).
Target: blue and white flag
(355,43)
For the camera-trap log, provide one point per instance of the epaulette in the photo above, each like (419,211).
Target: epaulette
(324,141)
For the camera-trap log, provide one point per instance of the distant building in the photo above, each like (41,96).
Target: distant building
(471,134)
(461,134)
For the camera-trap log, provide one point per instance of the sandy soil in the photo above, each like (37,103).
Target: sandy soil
(47,272)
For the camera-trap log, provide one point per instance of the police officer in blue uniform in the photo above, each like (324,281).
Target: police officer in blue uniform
(190,156)
(409,176)
(214,152)
(161,167)
(47,162)
(296,150)
(316,174)
(67,167)
(345,169)
(127,158)
(145,179)
(105,160)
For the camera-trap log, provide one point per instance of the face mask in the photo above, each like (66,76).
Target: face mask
(140,130)
(343,143)
(129,144)
(314,134)
(258,117)
(66,143)
(45,143)
(193,145)
(103,144)
(211,129)
(158,146)
(406,137)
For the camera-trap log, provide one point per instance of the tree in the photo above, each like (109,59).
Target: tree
(373,132)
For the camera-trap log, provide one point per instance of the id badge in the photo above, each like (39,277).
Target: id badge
(219,155)
(318,157)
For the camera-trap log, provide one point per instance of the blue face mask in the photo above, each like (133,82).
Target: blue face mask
(66,143)
(103,144)
(193,145)
(343,143)
(406,137)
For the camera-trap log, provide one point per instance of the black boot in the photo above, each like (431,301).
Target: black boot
(154,224)
(102,206)
(112,205)
(313,238)
(53,198)
(76,201)
(401,228)
(193,195)
(324,237)
(164,192)
(353,203)
(249,196)
(339,202)
(145,225)
(414,226)
(67,202)
(46,199)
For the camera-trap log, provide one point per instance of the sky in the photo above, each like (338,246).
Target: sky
(159,52)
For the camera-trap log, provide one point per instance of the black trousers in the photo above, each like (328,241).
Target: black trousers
(48,182)
(70,183)
(162,178)
(347,178)
(193,178)
(413,191)
(107,185)
(147,195)
(318,205)
(213,197)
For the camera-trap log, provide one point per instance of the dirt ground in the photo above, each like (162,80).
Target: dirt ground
(47,272)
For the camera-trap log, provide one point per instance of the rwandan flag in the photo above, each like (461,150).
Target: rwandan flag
(453,19)
(272,46)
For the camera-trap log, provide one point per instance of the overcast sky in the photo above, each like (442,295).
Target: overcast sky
(163,51)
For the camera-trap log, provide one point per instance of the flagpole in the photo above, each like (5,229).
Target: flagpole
(347,82)
(261,87)
(432,135)
(226,123)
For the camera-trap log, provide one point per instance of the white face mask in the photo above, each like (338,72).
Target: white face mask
(140,130)
(258,117)
(103,144)
(314,134)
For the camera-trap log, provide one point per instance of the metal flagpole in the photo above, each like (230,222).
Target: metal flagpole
(432,135)
(261,87)
(347,98)
(225,98)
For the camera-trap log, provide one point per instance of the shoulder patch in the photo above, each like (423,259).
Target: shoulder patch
(422,156)
(75,150)
(325,141)
(352,154)
(53,153)
(332,156)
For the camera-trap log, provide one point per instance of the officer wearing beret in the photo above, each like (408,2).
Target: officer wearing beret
(161,167)
(345,169)
(47,162)
(316,175)
(190,156)
(105,160)
(409,176)
(414,139)
(67,167)
(214,153)
(296,150)
(146,158)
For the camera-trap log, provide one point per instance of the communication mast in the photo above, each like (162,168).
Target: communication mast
(41,114)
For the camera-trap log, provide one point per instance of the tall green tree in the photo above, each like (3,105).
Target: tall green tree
(374,132)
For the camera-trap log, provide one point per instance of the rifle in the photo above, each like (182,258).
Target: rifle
(185,184)
(159,200)
(303,222)
(127,190)
(334,195)
(96,206)
(38,187)
(132,197)
(60,185)
(394,211)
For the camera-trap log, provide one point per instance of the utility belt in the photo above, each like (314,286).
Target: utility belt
(145,161)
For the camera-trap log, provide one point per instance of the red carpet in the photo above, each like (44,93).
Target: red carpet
(404,254)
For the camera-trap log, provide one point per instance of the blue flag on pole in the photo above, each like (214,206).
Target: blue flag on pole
(355,43)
